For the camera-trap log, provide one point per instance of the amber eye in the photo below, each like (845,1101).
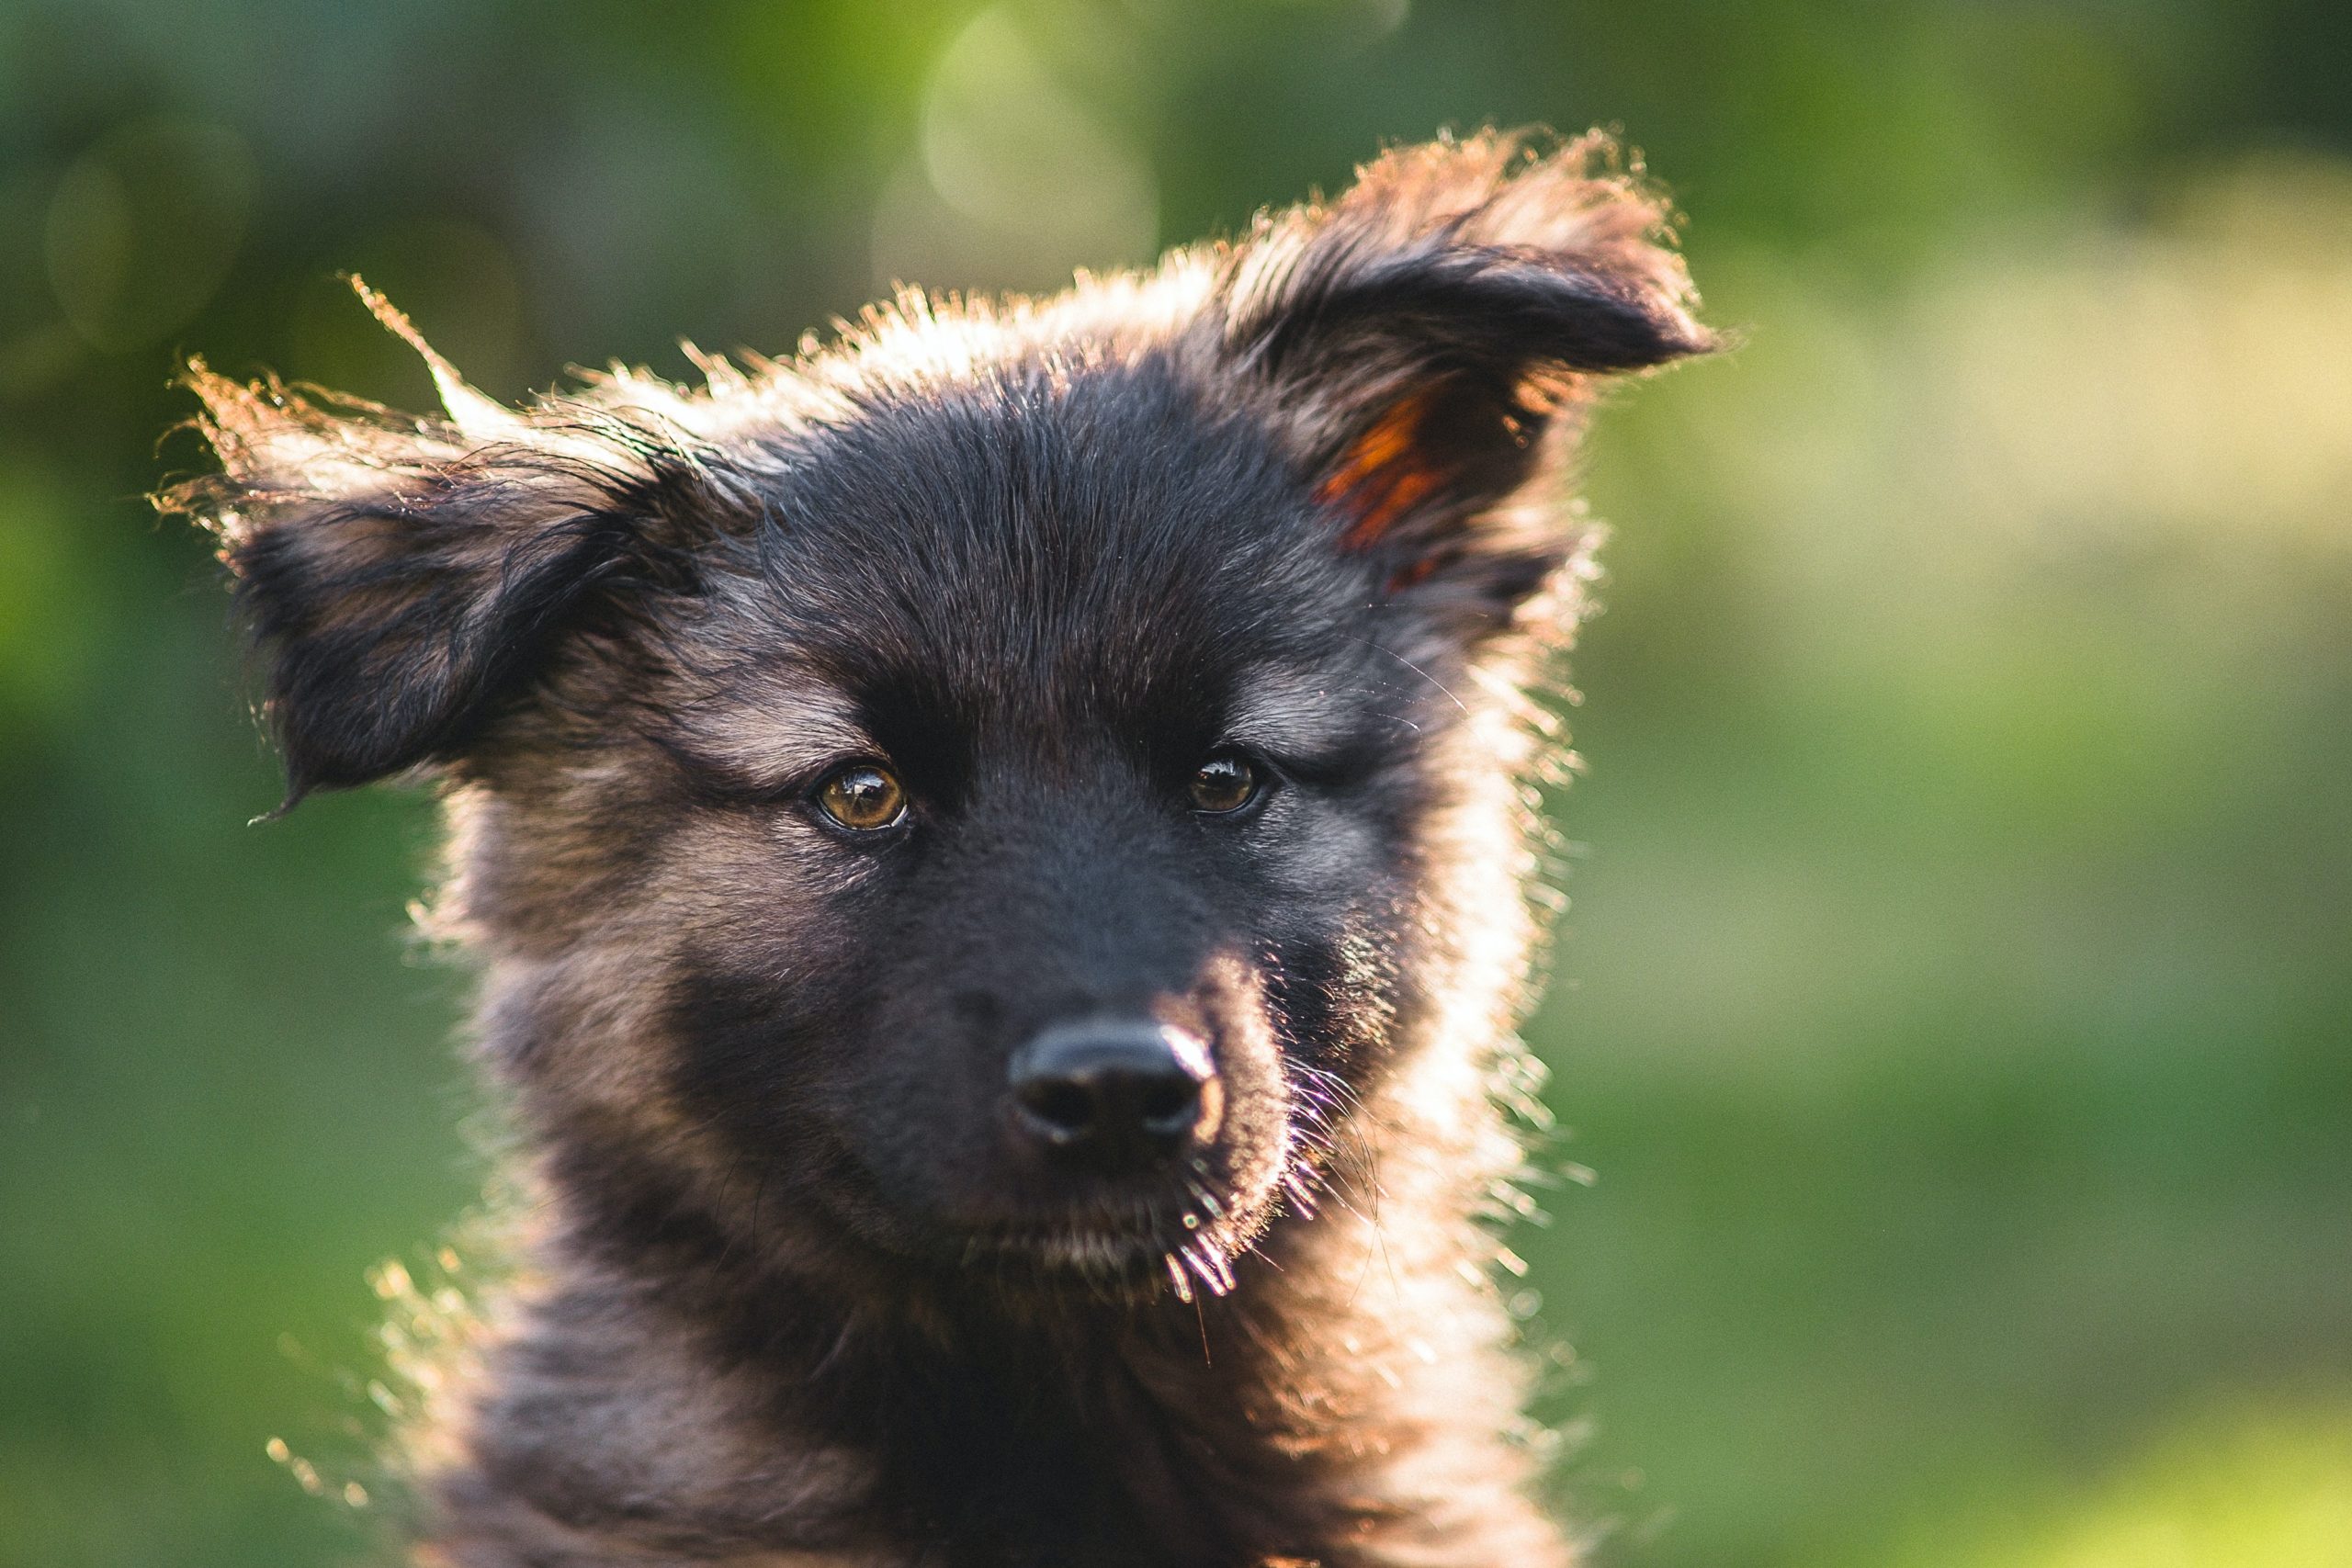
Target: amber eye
(862,797)
(1224,783)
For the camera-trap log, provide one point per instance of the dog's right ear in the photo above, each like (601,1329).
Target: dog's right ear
(1425,345)
(402,576)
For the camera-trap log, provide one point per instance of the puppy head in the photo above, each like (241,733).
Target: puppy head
(982,795)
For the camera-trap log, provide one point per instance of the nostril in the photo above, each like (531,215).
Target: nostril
(1170,1102)
(1062,1106)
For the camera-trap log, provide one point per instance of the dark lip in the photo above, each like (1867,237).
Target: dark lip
(1082,1247)
(1070,1260)
(1125,1261)
(1108,1239)
(1047,1238)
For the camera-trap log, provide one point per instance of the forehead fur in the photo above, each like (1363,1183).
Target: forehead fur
(1037,557)
(1103,519)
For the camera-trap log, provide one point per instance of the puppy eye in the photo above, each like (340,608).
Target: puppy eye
(1226,781)
(862,797)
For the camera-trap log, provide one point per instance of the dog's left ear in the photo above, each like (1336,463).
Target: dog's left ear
(1428,343)
(404,578)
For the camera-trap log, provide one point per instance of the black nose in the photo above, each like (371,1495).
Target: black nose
(1116,1096)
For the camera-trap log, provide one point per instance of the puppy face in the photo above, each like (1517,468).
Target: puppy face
(1028,813)
(968,799)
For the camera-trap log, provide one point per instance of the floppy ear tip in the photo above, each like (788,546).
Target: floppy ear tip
(1666,331)
(297,790)
(1581,208)
(1526,190)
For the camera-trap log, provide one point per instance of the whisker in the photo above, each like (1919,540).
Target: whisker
(1414,668)
(1212,1278)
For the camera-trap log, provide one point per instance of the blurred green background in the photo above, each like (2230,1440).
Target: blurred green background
(1956,1004)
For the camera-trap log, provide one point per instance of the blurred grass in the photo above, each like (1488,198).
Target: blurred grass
(2269,1487)
(1955,1001)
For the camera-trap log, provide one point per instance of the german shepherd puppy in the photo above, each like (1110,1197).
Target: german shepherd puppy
(997,852)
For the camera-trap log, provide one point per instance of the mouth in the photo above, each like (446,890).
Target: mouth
(1144,1249)
(1078,1250)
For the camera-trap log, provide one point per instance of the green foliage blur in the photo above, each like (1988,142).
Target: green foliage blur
(1956,1000)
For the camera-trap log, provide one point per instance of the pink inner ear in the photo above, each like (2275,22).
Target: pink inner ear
(1383,474)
